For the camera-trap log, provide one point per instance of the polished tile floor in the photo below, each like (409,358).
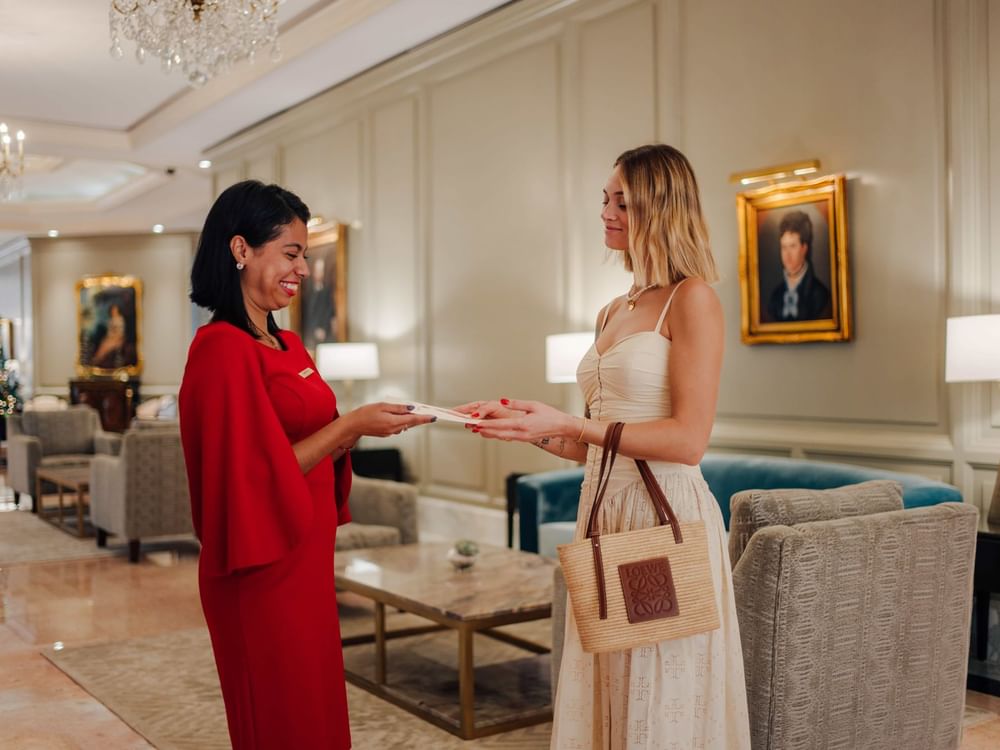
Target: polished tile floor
(91,601)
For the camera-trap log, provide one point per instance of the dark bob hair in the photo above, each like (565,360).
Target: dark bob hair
(256,212)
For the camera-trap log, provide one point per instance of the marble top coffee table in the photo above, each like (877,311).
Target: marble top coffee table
(504,587)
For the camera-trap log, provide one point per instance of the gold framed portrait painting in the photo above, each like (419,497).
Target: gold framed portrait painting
(794,277)
(319,312)
(109,325)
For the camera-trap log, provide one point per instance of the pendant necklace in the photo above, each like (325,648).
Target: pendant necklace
(633,297)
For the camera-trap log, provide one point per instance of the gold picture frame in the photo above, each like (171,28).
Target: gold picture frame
(109,325)
(794,276)
(318,313)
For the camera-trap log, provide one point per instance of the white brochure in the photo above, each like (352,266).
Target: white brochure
(443,415)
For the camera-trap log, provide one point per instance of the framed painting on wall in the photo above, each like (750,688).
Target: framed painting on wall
(794,280)
(318,312)
(109,325)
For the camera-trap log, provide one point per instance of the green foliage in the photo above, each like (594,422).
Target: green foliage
(10,397)
(467,547)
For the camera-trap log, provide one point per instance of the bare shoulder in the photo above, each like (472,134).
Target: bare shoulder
(696,309)
(696,297)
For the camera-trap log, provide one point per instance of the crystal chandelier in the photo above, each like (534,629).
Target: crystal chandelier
(11,167)
(201,37)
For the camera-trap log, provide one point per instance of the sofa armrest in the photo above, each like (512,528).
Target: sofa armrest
(108,443)
(24,454)
(385,503)
(107,493)
(546,497)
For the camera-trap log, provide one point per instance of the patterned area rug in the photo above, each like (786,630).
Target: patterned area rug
(26,538)
(166,688)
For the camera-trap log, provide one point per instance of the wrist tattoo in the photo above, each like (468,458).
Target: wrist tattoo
(543,442)
(562,445)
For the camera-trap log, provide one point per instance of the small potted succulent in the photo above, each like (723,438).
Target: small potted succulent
(463,554)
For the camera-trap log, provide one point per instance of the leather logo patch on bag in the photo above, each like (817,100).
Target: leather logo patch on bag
(648,587)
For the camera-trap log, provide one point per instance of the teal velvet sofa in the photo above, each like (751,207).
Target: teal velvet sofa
(547,501)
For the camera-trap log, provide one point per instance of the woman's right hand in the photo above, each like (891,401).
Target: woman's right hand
(383,419)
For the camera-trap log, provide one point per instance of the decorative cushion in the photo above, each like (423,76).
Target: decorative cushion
(357,535)
(752,510)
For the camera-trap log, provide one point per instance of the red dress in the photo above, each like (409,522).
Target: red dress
(267,532)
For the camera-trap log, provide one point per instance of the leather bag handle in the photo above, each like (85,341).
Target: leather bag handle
(612,438)
(665,513)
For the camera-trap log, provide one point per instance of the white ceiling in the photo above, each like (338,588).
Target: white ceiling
(108,129)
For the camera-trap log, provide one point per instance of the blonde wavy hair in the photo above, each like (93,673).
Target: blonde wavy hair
(668,238)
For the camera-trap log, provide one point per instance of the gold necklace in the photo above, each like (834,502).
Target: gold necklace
(633,297)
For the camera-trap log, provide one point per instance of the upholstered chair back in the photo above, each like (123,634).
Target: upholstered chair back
(70,430)
(752,510)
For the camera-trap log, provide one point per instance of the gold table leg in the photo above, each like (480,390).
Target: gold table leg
(380,643)
(60,504)
(466,681)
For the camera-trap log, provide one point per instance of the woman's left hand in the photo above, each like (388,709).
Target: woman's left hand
(536,421)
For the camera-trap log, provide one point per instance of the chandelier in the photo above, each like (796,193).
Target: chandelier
(201,37)
(11,167)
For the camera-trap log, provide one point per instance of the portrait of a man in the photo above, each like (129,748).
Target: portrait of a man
(319,312)
(794,281)
(800,295)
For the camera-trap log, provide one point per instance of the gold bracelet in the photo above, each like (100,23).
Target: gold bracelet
(583,429)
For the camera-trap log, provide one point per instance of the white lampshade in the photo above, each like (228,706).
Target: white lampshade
(355,361)
(563,352)
(972,349)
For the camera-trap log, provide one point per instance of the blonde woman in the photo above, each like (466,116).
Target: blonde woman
(655,365)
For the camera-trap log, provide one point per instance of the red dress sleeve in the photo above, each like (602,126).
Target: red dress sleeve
(250,501)
(342,477)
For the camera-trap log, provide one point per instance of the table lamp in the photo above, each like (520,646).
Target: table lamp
(563,352)
(347,362)
(972,354)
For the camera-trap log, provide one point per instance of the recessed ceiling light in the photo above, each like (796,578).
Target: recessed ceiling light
(157,229)
(205,163)
(53,233)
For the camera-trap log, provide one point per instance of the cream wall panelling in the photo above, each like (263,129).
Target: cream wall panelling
(16,304)
(971,39)
(226,176)
(993,247)
(265,166)
(679,72)
(160,261)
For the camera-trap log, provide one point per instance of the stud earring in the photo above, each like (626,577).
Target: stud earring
(240,266)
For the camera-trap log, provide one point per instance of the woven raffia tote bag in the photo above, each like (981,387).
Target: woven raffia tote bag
(642,586)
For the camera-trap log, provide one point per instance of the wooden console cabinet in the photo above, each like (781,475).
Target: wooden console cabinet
(115,400)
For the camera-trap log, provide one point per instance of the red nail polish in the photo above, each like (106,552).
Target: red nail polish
(475,415)
(505,401)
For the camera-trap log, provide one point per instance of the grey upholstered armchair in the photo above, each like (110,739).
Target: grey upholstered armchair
(382,513)
(854,617)
(43,439)
(143,492)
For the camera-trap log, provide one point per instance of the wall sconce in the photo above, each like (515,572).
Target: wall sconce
(773,174)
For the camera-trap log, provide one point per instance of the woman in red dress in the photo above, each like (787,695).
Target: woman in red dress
(269,471)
